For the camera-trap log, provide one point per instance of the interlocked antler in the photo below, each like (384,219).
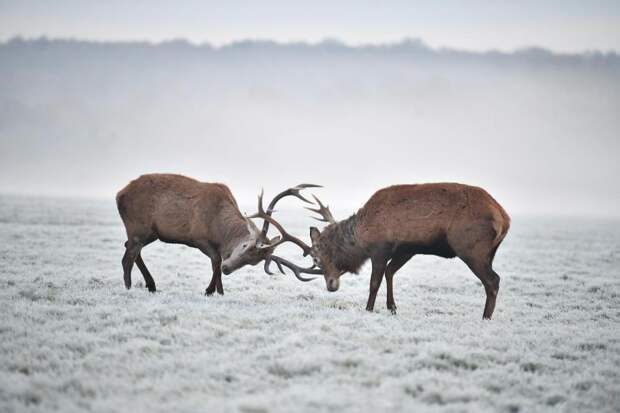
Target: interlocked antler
(296,269)
(322,210)
(266,216)
(285,235)
(294,191)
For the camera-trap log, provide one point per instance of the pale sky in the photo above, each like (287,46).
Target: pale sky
(564,26)
(540,133)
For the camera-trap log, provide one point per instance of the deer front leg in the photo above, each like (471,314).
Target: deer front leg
(216,262)
(216,278)
(397,261)
(378,268)
(218,274)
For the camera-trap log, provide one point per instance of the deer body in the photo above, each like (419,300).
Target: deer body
(178,209)
(445,219)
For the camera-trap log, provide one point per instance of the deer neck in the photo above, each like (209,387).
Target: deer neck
(348,253)
(236,229)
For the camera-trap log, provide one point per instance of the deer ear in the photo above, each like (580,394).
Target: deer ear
(314,234)
(266,246)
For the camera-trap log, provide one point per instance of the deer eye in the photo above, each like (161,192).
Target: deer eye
(244,245)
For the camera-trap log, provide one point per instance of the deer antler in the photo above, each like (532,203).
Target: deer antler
(296,269)
(285,235)
(294,191)
(322,210)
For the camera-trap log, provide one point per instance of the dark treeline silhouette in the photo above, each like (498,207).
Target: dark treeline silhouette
(537,128)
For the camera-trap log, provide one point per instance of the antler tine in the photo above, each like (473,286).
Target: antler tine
(293,267)
(294,191)
(318,201)
(323,211)
(268,261)
(304,186)
(318,211)
(285,235)
(319,219)
(261,211)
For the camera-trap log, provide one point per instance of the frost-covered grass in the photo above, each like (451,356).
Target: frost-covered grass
(73,339)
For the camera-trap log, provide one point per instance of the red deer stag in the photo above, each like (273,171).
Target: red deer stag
(177,209)
(444,219)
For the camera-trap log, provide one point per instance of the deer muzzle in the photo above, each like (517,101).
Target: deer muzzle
(332,284)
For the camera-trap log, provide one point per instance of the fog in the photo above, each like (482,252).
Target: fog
(538,130)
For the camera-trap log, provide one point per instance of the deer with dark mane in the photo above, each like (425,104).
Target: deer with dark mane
(444,219)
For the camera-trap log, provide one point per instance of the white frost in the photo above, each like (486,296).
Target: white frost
(73,339)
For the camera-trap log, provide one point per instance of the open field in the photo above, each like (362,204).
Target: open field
(73,339)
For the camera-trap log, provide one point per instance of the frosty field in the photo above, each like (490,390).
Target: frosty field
(73,339)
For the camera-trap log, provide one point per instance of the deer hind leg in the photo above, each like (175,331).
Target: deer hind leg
(481,267)
(132,250)
(476,244)
(395,264)
(148,279)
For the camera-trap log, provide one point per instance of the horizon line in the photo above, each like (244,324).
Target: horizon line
(100,198)
(326,41)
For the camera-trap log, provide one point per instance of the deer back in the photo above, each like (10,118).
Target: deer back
(180,209)
(422,214)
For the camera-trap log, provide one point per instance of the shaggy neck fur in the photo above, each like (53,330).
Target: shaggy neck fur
(346,253)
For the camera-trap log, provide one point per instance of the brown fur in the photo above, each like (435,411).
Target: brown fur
(443,219)
(178,209)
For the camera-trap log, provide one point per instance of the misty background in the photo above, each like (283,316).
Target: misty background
(538,128)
